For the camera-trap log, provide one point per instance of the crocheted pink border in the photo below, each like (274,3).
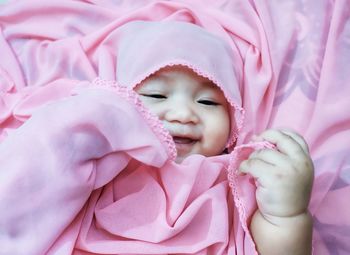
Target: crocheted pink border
(151,119)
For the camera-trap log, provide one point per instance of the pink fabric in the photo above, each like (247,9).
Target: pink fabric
(294,59)
(80,179)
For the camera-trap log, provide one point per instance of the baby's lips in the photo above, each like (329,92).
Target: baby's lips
(183,140)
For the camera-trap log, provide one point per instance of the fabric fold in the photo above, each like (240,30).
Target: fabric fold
(64,151)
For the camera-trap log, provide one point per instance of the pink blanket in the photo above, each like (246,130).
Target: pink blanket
(294,59)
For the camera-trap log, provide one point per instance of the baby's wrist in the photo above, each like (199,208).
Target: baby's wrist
(282,235)
(287,221)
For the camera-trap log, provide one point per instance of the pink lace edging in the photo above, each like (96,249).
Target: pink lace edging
(232,176)
(239,109)
(151,119)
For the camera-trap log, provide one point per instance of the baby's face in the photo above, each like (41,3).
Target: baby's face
(192,109)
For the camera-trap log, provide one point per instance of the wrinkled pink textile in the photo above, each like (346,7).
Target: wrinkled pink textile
(80,179)
(294,60)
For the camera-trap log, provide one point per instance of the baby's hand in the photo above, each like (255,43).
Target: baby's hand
(284,176)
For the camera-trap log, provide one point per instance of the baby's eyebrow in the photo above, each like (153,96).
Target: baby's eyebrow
(210,85)
(151,86)
(162,75)
(157,80)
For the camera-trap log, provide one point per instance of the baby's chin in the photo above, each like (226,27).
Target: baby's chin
(182,156)
(179,160)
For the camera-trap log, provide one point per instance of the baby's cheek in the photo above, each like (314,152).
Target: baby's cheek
(213,146)
(152,108)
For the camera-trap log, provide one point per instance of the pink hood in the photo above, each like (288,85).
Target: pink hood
(146,47)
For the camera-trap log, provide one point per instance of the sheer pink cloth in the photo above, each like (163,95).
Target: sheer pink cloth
(58,193)
(91,171)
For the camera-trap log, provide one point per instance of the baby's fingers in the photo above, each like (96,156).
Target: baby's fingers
(270,156)
(284,142)
(299,139)
(259,169)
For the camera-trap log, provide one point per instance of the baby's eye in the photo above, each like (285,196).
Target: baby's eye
(208,102)
(157,96)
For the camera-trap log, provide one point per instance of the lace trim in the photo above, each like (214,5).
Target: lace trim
(151,119)
(238,109)
(232,176)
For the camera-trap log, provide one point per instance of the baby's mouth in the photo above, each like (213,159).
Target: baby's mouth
(184,145)
(184,140)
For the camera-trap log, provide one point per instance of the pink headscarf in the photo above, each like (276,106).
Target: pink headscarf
(145,47)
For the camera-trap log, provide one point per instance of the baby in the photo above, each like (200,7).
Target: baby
(202,116)
(196,114)
(107,153)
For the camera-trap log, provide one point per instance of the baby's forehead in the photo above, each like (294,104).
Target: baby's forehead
(180,74)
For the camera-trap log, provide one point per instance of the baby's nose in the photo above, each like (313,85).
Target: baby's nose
(182,113)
